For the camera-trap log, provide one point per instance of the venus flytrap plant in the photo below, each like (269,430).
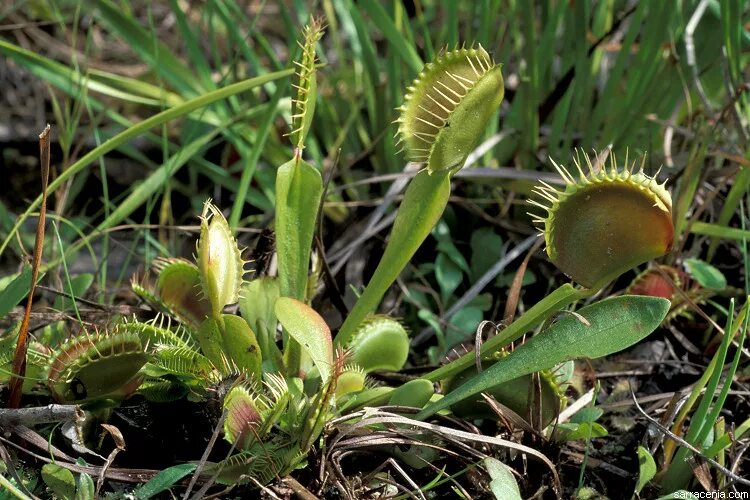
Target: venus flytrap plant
(441,121)
(601,225)
(226,339)
(299,188)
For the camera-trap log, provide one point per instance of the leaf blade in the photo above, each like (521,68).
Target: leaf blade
(614,324)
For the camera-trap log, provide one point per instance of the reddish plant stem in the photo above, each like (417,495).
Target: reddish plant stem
(19,358)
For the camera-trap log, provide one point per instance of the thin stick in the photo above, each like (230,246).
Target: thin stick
(19,358)
(204,458)
(37,415)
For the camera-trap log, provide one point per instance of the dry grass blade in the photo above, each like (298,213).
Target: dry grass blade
(515,288)
(116,435)
(19,358)
(373,416)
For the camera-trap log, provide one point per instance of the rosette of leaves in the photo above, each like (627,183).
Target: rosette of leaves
(604,222)
(209,343)
(279,421)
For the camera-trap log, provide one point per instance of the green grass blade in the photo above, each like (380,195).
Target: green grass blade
(721,232)
(383,21)
(156,53)
(143,126)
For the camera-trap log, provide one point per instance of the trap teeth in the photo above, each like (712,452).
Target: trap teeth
(96,366)
(448,106)
(604,223)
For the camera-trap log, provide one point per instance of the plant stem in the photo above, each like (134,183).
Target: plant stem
(423,204)
(552,303)
(562,297)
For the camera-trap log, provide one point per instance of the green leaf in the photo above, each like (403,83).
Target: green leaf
(298,191)
(415,393)
(446,245)
(310,330)
(587,415)
(706,274)
(209,338)
(502,484)
(85,489)
(240,345)
(614,324)
(231,338)
(15,291)
(256,305)
(60,480)
(465,323)
(486,250)
(646,468)
(163,481)
(448,276)
(580,432)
